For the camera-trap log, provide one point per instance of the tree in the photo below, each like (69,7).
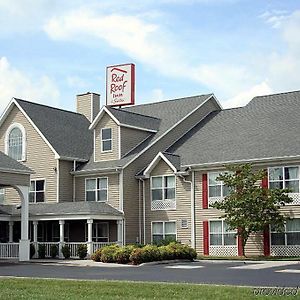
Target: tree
(249,207)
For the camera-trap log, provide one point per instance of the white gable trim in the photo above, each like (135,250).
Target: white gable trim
(8,110)
(186,116)
(154,163)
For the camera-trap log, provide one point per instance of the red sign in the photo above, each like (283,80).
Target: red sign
(120,84)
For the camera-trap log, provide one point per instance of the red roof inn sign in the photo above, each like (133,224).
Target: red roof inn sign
(120,85)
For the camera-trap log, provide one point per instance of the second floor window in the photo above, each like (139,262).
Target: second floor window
(284,178)
(106,139)
(15,144)
(2,192)
(96,189)
(163,188)
(216,188)
(37,191)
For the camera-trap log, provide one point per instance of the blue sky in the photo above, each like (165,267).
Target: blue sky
(236,49)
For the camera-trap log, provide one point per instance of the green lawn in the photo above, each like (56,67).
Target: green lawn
(72,289)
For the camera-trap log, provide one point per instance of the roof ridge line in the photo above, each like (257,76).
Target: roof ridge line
(169,100)
(48,106)
(280,93)
(131,112)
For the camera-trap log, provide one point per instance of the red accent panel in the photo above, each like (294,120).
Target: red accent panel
(205,238)
(267,241)
(204,191)
(264,182)
(240,245)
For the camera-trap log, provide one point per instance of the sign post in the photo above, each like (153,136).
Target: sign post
(120,85)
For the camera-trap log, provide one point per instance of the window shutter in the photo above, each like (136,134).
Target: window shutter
(266,241)
(204,191)
(264,182)
(205,238)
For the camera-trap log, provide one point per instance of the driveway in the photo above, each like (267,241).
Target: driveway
(281,274)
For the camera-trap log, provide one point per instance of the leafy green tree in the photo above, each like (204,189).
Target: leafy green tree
(248,206)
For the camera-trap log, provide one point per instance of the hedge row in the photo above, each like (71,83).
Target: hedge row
(137,255)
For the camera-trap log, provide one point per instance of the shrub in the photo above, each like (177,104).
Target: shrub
(180,251)
(82,251)
(145,254)
(108,253)
(96,256)
(164,242)
(42,251)
(165,253)
(53,251)
(65,250)
(32,251)
(122,254)
(137,256)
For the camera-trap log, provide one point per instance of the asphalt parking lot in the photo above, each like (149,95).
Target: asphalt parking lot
(280,274)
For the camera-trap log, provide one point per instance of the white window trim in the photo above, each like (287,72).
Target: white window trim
(163,188)
(221,183)
(285,235)
(37,179)
(102,140)
(96,197)
(24,143)
(284,180)
(223,221)
(164,232)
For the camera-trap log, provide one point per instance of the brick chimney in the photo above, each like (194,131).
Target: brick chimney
(88,104)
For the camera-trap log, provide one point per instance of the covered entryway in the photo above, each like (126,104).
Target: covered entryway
(14,174)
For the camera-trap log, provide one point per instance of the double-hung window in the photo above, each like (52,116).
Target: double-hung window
(163,231)
(163,188)
(220,235)
(289,236)
(96,189)
(2,192)
(284,178)
(106,139)
(217,190)
(37,191)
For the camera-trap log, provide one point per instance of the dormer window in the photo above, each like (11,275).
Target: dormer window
(15,142)
(106,140)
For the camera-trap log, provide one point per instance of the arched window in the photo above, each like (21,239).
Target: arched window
(15,142)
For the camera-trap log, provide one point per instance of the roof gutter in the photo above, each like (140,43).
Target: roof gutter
(97,171)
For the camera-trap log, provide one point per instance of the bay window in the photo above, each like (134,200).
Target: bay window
(96,189)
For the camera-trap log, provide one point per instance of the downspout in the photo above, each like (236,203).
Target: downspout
(144,213)
(192,183)
(140,217)
(74,186)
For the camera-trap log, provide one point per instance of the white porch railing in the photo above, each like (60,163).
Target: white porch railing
(9,250)
(74,247)
(98,245)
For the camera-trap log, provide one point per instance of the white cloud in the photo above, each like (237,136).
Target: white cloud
(15,83)
(244,97)
(157,95)
(275,18)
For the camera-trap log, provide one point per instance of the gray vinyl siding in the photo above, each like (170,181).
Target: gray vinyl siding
(39,157)
(113,188)
(130,138)
(106,122)
(183,206)
(65,181)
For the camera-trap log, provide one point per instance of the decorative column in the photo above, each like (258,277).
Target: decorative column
(11,231)
(120,232)
(90,237)
(24,245)
(61,237)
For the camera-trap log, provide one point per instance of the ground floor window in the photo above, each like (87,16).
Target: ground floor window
(289,236)
(100,232)
(220,235)
(37,191)
(2,192)
(163,231)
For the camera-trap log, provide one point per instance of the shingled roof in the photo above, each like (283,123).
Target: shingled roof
(66,131)
(8,164)
(268,127)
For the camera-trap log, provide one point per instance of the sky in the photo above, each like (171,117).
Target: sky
(52,50)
